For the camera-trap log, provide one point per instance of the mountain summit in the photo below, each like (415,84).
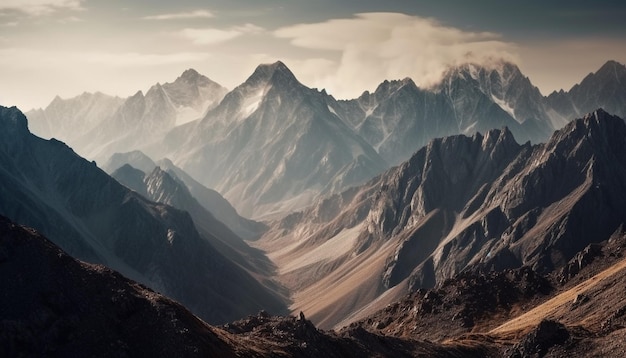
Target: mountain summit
(97,125)
(274,73)
(272,145)
(606,88)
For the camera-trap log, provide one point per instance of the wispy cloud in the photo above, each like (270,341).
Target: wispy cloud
(26,58)
(39,7)
(197,14)
(71,19)
(213,36)
(372,47)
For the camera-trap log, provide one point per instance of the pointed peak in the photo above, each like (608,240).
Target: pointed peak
(127,169)
(387,87)
(138,94)
(612,64)
(56,99)
(273,72)
(598,115)
(611,68)
(499,137)
(190,74)
(597,124)
(276,66)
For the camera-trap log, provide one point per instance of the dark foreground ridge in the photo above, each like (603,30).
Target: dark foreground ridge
(53,305)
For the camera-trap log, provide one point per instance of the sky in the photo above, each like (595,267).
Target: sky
(67,47)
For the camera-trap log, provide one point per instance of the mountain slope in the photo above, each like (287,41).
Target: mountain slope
(496,95)
(44,184)
(136,158)
(97,125)
(211,200)
(271,146)
(59,306)
(162,187)
(460,202)
(399,118)
(71,118)
(606,88)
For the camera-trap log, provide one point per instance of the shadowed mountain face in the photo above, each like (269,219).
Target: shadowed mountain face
(164,188)
(211,200)
(59,307)
(56,306)
(458,203)
(44,184)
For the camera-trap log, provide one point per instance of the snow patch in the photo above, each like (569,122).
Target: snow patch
(504,106)
(252,102)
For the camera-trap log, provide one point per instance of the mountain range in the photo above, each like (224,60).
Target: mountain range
(59,306)
(47,186)
(274,120)
(460,203)
(97,125)
(209,199)
(476,217)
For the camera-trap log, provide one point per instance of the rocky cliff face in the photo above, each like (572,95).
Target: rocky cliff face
(459,203)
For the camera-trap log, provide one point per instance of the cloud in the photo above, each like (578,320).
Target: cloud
(39,7)
(70,73)
(70,19)
(197,14)
(29,58)
(209,36)
(372,47)
(213,36)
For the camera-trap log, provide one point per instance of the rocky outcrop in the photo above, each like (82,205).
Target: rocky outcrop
(538,342)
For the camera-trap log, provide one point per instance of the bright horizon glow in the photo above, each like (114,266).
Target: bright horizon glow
(67,47)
